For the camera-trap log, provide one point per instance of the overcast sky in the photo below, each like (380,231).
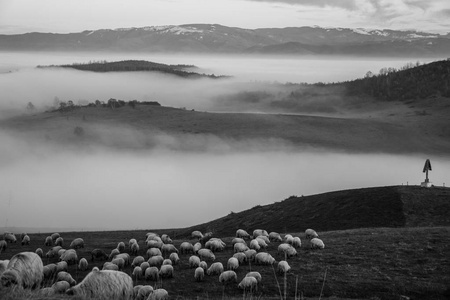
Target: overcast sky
(61,16)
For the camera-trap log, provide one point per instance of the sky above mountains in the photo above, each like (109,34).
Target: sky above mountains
(63,16)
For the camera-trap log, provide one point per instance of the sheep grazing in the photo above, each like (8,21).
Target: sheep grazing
(167,261)
(174,258)
(54,236)
(144,266)
(250,253)
(155,261)
(241,257)
(110,266)
(24,270)
(240,247)
(227,276)
(70,256)
(3,245)
(186,248)
(168,248)
(154,244)
(120,262)
(26,240)
(215,269)
(296,242)
(9,237)
(310,234)
(77,243)
(283,267)
(203,265)
(275,237)
(241,233)
(206,237)
(61,252)
(196,234)
(137,261)
(136,289)
(137,273)
(287,249)
(131,242)
(61,266)
(264,238)
(232,263)
(59,287)
(83,264)
(64,276)
(134,248)
(215,244)
(105,284)
(288,238)
(113,253)
(254,274)
(59,241)
(199,274)
(153,252)
(152,273)
(261,241)
(238,240)
(259,232)
(49,271)
(48,241)
(121,247)
(317,244)
(197,246)
(166,239)
(159,294)
(255,245)
(126,258)
(248,283)
(206,254)
(194,261)
(264,258)
(39,252)
(99,254)
(3,266)
(144,292)
(166,271)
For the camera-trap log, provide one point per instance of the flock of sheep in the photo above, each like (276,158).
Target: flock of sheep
(25,270)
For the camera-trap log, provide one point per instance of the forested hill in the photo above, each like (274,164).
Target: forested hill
(420,81)
(135,66)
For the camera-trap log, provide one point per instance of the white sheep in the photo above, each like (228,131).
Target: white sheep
(49,271)
(64,276)
(203,265)
(215,269)
(24,270)
(264,258)
(155,261)
(166,271)
(194,261)
(186,247)
(113,253)
(59,287)
(197,246)
(9,237)
(151,234)
(168,248)
(259,232)
(70,256)
(317,243)
(48,241)
(154,238)
(137,273)
(283,267)
(206,254)
(110,266)
(126,258)
(159,294)
(137,261)
(310,233)
(288,238)
(3,265)
(105,284)
(77,243)
(98,253)
(254,274)
(152,273)
(39,252)
(255,245)
(250,253)
(61,266)
(275,237)
(227,276)
(174,258)
(196,234)
(144,266)
(136,289)
(166,239)
(248,283)
(59,241)
(134,249)
(3,245)
(233,263)
(119,262)
(83,264)
(240,247)
(241,233)
(241,257)
(167,261)
(238,240)
(215,244)
(154,244)
(54,236)
(296,242)
(25,240)
(131,242)
(144,292)
(264,238)
(121,247)
(287,249)
(153,252)
(61,252)
(199,274)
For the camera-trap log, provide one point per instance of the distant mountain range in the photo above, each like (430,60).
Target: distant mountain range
(214,38)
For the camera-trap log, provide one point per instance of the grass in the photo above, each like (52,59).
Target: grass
(358,263)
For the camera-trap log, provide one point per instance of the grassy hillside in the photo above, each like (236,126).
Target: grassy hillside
(392,206)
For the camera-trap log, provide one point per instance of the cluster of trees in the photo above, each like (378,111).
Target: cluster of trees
(410,82)
(63,106)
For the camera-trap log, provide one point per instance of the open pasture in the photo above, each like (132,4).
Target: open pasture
(358,263)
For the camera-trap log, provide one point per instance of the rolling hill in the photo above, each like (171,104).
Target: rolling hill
(215,38)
